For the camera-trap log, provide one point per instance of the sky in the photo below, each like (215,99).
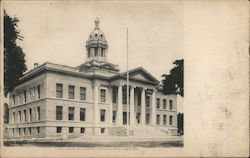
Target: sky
(57,31)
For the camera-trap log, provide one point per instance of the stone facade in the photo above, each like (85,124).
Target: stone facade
(56,101)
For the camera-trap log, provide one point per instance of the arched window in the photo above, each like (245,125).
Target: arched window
(96,51)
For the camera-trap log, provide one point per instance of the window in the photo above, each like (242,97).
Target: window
(96,51)
(82,130)
(59,112)
(102,52)
(38,113)
(59,90)
(170,105)
(170,120)
(164,104)
(30,110)
(124,95)
(82,93)
(158,103)
(58,129)
(38,92)
(24,131)
(14,117)
(38,129)
(147,118)
(25,117)
(14,100)
(19,131)
(71,113)
(164,119)
(20,116)
(103,95)
(88,52)
(102,130)
(29,130)
(147,101)
(138,117)
(82,114)
(158,119)
(102,115)
(71,129)
(114,95)
(114,116)
(13,131)
(25,96)
(71,92)
(124,116)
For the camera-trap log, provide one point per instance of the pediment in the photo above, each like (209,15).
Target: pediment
(142,75)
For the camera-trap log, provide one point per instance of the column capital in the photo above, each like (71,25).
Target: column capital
(132,86)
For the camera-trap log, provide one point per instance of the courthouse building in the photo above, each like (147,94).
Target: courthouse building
(58,101)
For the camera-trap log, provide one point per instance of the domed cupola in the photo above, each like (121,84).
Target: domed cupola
(96,46)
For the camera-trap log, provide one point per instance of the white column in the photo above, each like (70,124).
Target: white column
(132,106)
(153,108)
(111,105)
(143,106)
(95,106)
(120,108)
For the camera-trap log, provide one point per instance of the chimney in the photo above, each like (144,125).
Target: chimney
(35,65)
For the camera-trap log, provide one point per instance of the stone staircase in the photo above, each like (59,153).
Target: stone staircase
(146,131)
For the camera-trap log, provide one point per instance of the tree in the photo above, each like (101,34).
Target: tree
(14,58)
(180,122)
(173,82)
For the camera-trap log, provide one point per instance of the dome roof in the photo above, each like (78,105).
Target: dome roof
(97,34)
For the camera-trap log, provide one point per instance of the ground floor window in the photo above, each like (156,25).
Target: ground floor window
(29,130)
(82,130)
(138,116)
(38,129)
(24,131)
(102,113)
(58,129)
(114,116)
(19,131)
(147,118)
(71,129)
(164,119)
(170,120)
(158,119)
(102,130)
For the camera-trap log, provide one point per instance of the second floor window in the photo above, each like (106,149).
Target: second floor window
(38,113)
(82,93)
(59,90)
(170,105)
(147,101)
(158,103)
(25,96)
(38,92)
(71,113)
(114,95)
(71,92)
(30,111)
(59,112)
(25,117)
(14,100)
(164,104)
(103,95)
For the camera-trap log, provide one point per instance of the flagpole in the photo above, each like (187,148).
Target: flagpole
(127,83)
